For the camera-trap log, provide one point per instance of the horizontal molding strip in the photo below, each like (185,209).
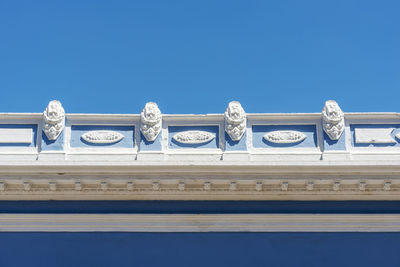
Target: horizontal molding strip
(200,223)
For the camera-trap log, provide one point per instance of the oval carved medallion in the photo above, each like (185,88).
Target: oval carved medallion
(102,137)
(284,137)
(193,137)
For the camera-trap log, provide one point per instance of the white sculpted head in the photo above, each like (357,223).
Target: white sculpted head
(333,120)
(151,121)
(54,120)
(235,120)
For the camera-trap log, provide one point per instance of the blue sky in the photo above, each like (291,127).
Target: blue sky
(196,56)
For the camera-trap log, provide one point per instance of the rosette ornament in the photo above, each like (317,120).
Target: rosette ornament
(235,120)
(150,121)
(332,120)
(54,120)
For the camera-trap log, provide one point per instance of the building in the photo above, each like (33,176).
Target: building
(235,189)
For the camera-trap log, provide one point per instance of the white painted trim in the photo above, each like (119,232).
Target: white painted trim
(200,223)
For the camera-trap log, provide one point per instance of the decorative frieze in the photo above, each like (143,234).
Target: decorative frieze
(233,186)
(150,121)
(78,186)
(310,186)
(104,185)
(235,121)
(362,185)
(207,186)
(54,120)
(284,186)
(102,137)
(193,137)
(129,185)
(284,137)
(259,186)
(52,186)
(387,185)
(332,120)
(191,189)
(181,186)
(336,186)
(27,186)
(156,186)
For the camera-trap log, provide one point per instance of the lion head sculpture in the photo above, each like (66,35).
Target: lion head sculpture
(235,120)
(54,120)
(333,120)
(151,121)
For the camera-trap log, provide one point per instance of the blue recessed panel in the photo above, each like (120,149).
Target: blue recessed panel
(150,145)
(173,130)
(27,134)
(128,133)
(334,145)
(231,145)
(391,135)
(308,130)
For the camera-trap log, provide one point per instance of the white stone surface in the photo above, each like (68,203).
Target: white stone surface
(374,136)
(16,135)
(333,120)
(54,120)
(235,120)
(151,121)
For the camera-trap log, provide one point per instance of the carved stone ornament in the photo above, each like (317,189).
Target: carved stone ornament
(332,120)
(235,120)
(193,137)
(284,137)
(54,120)
(102,137)
(150,121)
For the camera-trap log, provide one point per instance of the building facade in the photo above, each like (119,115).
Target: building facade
(238,189)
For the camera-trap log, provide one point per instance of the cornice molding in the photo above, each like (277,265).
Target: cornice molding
(200,223)
(182,187)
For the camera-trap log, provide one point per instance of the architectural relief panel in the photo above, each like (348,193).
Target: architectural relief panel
(105,136)
(205,136)
(54,120)
(235,120)
(285,137)
(102,137)
(290,136)
(332,120)
(193,137)
(150,121)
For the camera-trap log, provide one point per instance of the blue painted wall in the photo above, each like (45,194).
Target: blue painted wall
(240,145)
(150,145)
(52,145)
(199,249)
(333,145)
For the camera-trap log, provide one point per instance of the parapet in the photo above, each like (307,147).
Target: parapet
(232,155)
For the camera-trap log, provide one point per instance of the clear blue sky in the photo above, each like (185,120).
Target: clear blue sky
(196,56)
